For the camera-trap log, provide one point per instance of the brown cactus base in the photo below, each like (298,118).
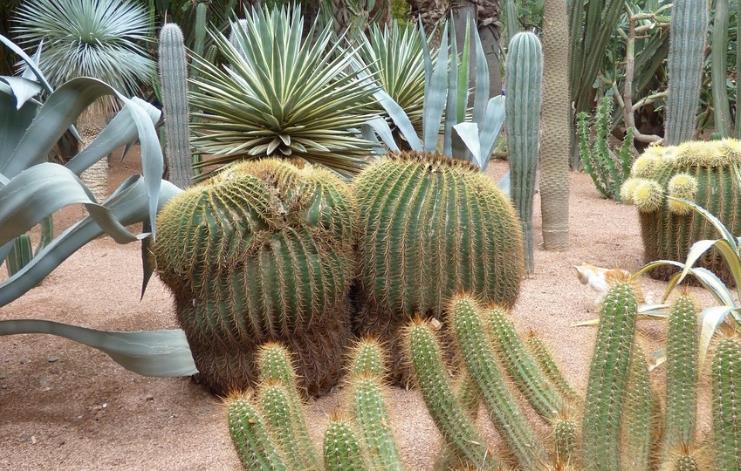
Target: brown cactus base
(717,266)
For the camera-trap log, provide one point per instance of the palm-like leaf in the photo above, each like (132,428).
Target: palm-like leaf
(89,38)
(280,95)
(395,56)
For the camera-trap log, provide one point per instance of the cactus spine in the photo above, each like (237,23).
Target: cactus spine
(456,426)
(565,440)
(470,338)
(718,69)
(685,63)
(342,451)
(726,382)
(550,369)
(524,99)
(250,437)
(367,358)
(263,252)
(608,377)
(20,254)
(174,82)
(430,227)
(681,374)
(556,123)
(636,428)
(520,365)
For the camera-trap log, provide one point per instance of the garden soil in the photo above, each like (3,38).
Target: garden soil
(67,406)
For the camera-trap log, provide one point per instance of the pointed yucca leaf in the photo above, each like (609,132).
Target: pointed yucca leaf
(42,189)
(708,279)
(150,353)
(128,205)
(469,134)
(435,96)
(27,72)
(400,119)
(23,89)
(451,105)
(32,64)
(481,68)
(463,71)
(120,131)
(492,125)
(427,55)
(381,127)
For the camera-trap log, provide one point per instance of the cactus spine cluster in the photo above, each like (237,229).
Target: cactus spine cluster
(342,451)
(430,227)
(608,377)
(685,64)
(545,361)
(702,172)
(726,382)
(524,100)
(262,252)
(174,81)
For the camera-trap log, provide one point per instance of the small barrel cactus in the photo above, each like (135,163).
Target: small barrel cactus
(702,172)
(261,252)
(430,227)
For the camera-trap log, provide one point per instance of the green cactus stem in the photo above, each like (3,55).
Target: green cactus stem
(367,358)
(520,365)
(524,100)
(719,70)
(470,338)
(726,381)
(342,450)
(549,367)
(608,377)
(565,440)
(369,411)
(20,254)
(254,446)
(456,427)
(637,422)
(681,374)
(684,65)
(174,82)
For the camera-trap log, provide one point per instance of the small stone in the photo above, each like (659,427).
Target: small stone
(149,397)
(52,359)
(33,439)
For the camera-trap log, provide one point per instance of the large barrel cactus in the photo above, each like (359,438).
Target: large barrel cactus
(261,252)
(429,227)
(704,172)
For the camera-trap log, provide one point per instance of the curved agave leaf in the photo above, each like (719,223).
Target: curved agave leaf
(23,89)
(13,123)
(381,127)
(31,63)
(152,353)
(435,96)
(127,205)
(493,121)
(711,319)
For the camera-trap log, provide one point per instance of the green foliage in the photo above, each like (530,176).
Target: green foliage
(524,100)
(262,252)
(726,381)
(608,377)
(636,428)
(89,38)
(20,254)
(280,95)
(607,170)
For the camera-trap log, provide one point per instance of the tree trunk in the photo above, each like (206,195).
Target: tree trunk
(94,177)
(556,127)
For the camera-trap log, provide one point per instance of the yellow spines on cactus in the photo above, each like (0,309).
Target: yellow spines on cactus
(648,196)
(682,185)
(263,251)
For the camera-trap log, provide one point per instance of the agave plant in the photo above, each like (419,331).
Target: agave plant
(279,94)
(89,38)
(394,55)
(31,189)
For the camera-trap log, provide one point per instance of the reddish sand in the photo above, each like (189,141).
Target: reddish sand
(66,406)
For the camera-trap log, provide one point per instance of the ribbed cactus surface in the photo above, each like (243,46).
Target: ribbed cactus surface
(430,227)
(726,382)
(261,252)
(702,172)
(20,254)
(637,421)
(342,450)
(367,358)
(550,369)
(173,68)
(250,437)
(685,67)
(608,378)
(524,100)
(565,440)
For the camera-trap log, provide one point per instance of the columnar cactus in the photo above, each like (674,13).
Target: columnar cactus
(681,374)
(637,421)
(726,381)
(367,358)
(524,99)
(430,227)
(702,172)
(457,428)
(173,69)
(608,377)
(685,63)
(254,445)
(20,254)
(342,450)
(551,371)
(565,440)
(473,345)
(261,252)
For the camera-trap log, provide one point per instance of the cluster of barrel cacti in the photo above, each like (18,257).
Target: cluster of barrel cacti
(269,429)
(706,173)
(618,425)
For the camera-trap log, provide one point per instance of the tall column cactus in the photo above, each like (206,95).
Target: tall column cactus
(524,99)
(174,81)
(726,379)
(718,69)
(554,148)
(685,62)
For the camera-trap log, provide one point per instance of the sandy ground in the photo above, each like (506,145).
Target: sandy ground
(66,406)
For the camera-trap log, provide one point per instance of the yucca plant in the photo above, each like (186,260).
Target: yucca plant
(31,189)
(279,94)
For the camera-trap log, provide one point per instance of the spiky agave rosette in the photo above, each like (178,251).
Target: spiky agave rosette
(429,227)
(704,172)
(261,252)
